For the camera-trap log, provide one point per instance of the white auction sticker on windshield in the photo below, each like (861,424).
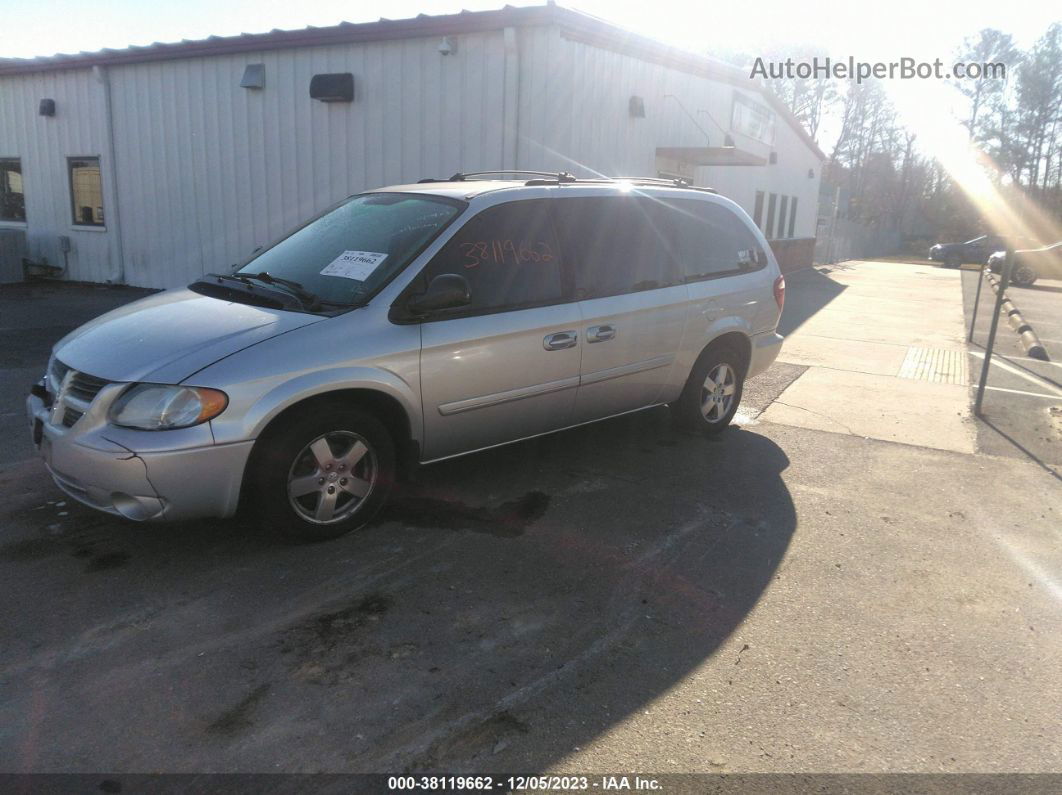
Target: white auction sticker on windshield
(357,265)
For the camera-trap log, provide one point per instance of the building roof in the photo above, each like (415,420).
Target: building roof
(577,25)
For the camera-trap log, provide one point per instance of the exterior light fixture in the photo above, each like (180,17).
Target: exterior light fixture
(47,107)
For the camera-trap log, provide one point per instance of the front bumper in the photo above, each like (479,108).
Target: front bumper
(158,484)
(765,349)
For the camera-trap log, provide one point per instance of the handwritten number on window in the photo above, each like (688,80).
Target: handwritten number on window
(505,252)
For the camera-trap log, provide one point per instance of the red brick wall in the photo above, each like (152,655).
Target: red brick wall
(793,253)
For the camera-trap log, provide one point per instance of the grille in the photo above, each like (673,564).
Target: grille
(85,387)
(81,390)
(56,373)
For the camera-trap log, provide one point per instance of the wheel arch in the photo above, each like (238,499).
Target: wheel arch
(737,341)
(385,407)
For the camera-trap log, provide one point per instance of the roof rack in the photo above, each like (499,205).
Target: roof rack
(669,182)
(553,176)
(566,178)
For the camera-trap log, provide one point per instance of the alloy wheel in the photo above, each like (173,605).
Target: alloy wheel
(717,392)
(332,477)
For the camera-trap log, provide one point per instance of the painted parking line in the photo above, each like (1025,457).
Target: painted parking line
(1040,382)
(1021,392)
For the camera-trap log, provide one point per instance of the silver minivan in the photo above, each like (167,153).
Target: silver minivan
(409,325)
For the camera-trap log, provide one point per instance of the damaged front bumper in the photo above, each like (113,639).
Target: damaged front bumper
(141,475)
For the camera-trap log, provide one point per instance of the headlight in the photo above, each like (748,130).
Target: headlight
(159,407)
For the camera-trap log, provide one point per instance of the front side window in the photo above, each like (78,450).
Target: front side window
(509,255)
(86,191)
(348,252)
(12,197)
(710,240)
(616,244)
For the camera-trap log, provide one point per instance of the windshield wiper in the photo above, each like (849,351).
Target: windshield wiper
(286,294)
(308,299)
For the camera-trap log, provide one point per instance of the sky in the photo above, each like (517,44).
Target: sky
(882,30)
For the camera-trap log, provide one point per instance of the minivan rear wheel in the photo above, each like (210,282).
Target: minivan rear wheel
(712,392)
(325,473)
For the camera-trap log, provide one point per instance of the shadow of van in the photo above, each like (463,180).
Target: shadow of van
(603,566)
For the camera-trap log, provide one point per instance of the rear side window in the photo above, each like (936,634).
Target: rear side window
(615,244)
(709,240)
(508,254)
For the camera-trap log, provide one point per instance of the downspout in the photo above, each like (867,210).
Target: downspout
(510,100)
(114,216)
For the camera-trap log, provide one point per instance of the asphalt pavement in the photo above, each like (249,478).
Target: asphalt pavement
(1022,404)
(617,598)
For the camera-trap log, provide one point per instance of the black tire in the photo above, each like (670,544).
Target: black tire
(1023,276)
(286,459)
(688,410)
(953,261)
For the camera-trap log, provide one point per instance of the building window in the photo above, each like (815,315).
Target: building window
(86,191)
(12,198)
(781,216)
(792,215)
(757,212)
(768,230)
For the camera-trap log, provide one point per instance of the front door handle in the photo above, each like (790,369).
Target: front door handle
(560,340)
(600,333)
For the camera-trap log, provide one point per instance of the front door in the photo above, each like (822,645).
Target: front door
(507,366)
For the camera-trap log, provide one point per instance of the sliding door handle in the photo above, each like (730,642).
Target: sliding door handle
(600,333)
(560,340)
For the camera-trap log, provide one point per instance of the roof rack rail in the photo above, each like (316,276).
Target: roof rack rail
(675,182)
(555,176)
(566,178)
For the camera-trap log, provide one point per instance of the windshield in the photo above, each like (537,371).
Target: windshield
(351,250)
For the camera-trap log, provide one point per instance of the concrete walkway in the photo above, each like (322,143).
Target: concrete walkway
(884,347)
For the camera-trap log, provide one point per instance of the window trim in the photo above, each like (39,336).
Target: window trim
(16,223)
(74,222)
(401,317)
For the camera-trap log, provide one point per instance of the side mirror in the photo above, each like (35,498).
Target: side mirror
(446,291)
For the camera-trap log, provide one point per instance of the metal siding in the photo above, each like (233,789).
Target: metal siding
(574,115)
(43,145)
(207,171)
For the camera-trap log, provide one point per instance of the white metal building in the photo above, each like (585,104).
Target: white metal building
(153,165)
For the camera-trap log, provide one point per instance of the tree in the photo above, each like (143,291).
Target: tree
(988,46)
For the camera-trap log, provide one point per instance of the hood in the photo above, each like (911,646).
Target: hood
(166,337)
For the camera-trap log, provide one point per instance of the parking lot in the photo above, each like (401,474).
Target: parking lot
(843,585)
(1023,396)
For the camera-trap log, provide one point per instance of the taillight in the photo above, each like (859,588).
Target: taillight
(779,292)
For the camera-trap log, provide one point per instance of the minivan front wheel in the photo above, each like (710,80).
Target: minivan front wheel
(713,391)
(325,474)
